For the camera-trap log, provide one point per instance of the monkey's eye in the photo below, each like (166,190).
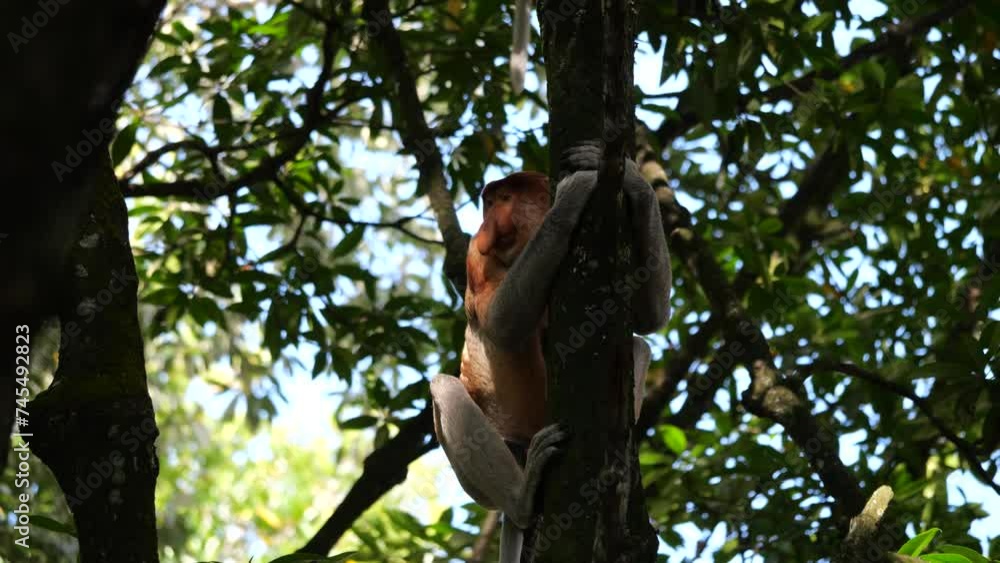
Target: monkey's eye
(505,196)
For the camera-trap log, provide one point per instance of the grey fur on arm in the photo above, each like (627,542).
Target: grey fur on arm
(524,293)
(651,301)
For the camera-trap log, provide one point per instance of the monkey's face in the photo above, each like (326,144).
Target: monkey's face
(511,216)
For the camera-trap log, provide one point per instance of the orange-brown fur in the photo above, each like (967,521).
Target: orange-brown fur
(509,386)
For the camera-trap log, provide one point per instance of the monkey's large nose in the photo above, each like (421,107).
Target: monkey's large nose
(486,237)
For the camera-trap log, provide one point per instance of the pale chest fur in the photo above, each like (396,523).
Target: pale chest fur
(508,387)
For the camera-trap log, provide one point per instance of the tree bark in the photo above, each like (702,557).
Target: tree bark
(74,61)
(94,426)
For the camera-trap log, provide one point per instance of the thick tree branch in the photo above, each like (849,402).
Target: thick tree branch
(865,530)
(98,400)
(589,385)
(385,468)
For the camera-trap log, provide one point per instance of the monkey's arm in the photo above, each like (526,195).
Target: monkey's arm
(651,300)
(523,294)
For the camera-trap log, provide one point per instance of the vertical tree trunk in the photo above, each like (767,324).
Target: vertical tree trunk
(94,427)
(73,62)
(593,507)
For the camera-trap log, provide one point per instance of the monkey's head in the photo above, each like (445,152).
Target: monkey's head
(513,209)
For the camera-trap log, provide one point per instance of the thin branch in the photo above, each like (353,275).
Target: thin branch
(291,245)
(199,145)
(417,137)
(769,394)
(965,449)
(305,208)
(486,532)
(311,119)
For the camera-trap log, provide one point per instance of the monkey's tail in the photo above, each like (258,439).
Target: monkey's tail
(519,51)
(511,541)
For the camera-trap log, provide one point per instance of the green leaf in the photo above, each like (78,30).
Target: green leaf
(312,557)
(53,525)
(182,32)
(990,337)
(945,558)
(320,361)
(123,143)
(819,22)
(275,27)
(873,73)
(756,141)
(673,438)
(410,393)
(350,241)
(969,554)
(205,310)
(916,546)
(359,422)
(166,65)
(770,225)
(163,296)
(222,119)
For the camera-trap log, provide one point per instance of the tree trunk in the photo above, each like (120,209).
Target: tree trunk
(94,427)
(593,509)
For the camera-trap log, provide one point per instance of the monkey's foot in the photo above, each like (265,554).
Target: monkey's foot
(543,447)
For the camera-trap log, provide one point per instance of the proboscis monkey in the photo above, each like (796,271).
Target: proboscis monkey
(487,418)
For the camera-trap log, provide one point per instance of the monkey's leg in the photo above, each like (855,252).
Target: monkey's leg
(641,354)
(484,466)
